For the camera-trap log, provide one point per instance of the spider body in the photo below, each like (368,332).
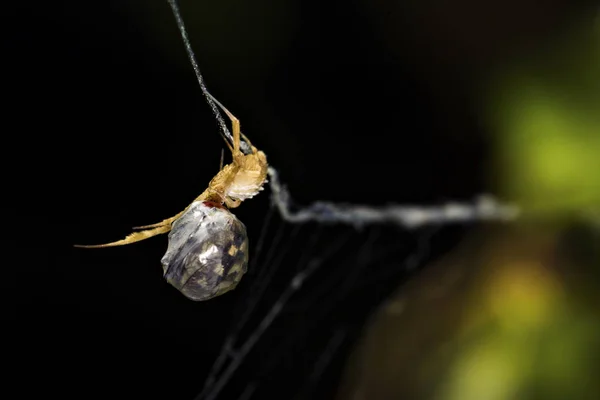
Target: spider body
(207,253)
(208,246)
(241,180)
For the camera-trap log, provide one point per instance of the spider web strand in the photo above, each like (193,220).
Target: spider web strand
(295,284)
(188,48)
(485,208)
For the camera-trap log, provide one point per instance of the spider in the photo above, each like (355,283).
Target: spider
(207,253)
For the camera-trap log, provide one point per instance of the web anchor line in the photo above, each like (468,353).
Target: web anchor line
(484,208)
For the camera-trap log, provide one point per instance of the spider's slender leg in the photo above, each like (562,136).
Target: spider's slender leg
(235,126)
(248,141)
(131,238)
(227,143)
(164,222)
(235,131)
(232,203)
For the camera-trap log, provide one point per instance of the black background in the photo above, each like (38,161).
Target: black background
(104,128)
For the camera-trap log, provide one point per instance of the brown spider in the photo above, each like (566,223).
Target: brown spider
(208,246)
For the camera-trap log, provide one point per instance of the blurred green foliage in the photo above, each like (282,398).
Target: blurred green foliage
(545,114)
(514,313)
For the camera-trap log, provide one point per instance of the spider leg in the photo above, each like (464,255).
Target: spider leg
(164,222)
(235,126)
(227,143)
(232,203)
(248,141)
(131,238)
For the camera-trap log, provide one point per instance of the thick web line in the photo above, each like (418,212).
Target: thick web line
(484,208)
